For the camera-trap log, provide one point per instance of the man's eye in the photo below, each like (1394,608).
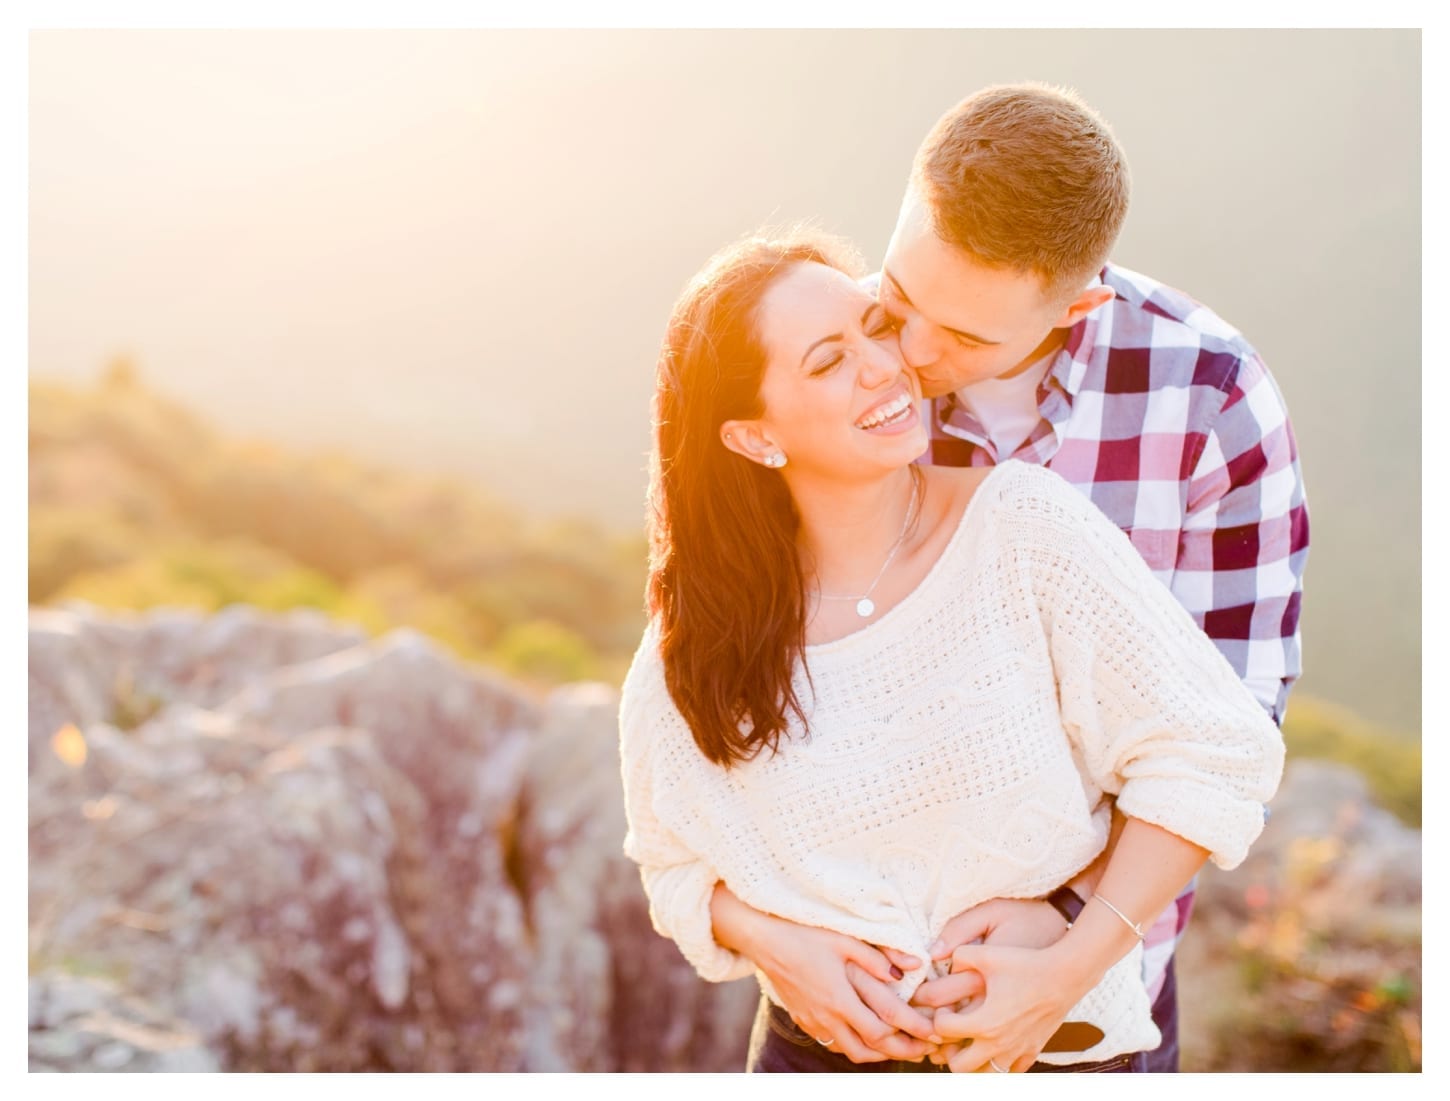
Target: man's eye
(887,324)
(965,341)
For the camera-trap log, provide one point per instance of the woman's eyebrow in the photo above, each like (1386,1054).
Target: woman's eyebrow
(873,304)
(824,340)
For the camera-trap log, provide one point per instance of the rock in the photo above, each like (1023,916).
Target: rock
(319,852)
(637,1008)
(89,1024)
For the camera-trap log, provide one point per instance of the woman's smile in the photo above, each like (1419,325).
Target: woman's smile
(892,415)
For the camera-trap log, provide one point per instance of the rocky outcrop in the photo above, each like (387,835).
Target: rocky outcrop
(316,852)
(81,1023)
(623,999)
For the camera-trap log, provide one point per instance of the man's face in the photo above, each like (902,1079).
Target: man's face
(961,322)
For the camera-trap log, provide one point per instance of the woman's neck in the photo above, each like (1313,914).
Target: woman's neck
(848,531)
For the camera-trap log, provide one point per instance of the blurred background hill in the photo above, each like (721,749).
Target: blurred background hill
(137,503)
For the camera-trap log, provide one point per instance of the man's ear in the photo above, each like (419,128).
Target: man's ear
(1089,299)
(748,438)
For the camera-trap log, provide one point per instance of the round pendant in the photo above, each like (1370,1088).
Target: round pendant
(864,607)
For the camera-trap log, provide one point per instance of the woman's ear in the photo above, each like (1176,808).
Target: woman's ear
(749,439)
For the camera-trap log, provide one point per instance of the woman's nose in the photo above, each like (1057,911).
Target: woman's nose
(882,363)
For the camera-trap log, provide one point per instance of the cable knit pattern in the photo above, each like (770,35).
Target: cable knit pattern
(961,748)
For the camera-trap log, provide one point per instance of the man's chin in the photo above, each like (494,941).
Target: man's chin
(935,388)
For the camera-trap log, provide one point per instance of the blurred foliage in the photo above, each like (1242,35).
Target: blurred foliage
(1390,762)
(542,650)
(1328,980)
(136,503)
(1316,963)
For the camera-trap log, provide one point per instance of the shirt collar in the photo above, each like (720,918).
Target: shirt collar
(1062,382)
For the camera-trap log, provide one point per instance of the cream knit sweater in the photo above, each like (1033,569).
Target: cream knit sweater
(961,748)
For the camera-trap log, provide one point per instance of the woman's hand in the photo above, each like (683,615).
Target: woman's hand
(835,987)
(1027,994)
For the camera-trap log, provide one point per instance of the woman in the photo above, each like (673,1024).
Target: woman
(872,696)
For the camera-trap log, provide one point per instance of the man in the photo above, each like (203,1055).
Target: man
(1036,348)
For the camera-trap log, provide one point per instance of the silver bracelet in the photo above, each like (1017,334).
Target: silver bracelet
(1137,929)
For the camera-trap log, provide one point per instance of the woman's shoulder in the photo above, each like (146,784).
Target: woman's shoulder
(1015,477)
(646,674)
(644,697)
(953,489)
(1036,507)
(652,731)
(1012,489)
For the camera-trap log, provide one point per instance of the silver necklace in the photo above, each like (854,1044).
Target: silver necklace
(865,606)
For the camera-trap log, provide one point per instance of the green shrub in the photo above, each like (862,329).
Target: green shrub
(1389,762)
(68,541)
(543,651)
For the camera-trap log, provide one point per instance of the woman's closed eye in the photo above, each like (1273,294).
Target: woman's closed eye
(878,325)
(829,365)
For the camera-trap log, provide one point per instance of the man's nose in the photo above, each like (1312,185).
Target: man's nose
(918,347)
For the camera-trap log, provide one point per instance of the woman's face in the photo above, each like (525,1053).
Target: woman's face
(839,400)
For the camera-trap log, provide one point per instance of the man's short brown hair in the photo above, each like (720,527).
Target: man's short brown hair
(1026,177)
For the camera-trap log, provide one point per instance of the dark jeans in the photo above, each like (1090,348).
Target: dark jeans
(777,1045)
(1163,1059)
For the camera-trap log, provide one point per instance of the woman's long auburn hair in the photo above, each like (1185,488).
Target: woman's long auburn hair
(725,582)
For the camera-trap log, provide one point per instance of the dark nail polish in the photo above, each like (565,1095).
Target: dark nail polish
(896,972)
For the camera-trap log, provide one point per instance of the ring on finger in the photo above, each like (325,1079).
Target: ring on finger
(999,1070)
(826,1043)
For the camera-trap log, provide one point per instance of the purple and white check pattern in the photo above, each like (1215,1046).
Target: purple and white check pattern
(1169,421)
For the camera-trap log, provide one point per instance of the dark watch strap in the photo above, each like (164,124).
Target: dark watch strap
(1066,902)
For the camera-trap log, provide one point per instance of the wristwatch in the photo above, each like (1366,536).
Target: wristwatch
(1066,902)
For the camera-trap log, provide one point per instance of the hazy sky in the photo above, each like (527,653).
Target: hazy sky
(458,249)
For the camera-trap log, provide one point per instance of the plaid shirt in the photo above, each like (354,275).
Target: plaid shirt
(1169,421)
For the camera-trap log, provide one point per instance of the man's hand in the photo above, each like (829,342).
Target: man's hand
(1001,922)
(1027,993)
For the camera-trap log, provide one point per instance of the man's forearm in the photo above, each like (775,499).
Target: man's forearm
(1086,881)
(736,924)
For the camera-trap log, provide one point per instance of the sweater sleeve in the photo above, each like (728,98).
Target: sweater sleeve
(1156,713)
(678,882)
